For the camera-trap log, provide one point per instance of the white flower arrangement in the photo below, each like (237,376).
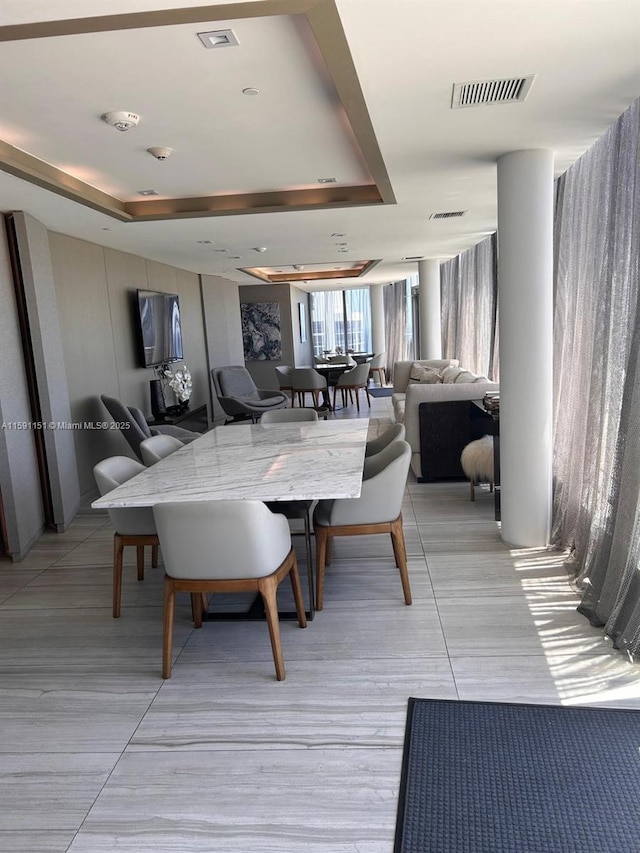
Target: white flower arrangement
(179,381)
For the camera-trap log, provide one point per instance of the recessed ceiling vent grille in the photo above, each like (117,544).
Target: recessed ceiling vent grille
(449,214)
(477,93)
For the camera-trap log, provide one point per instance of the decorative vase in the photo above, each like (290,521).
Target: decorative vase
(178,409)
(158,406)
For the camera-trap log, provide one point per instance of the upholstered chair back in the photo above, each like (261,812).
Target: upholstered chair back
(156,447)
(128,521)
(221,539)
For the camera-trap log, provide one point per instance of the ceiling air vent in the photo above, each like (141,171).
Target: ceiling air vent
(449,214)
(479,92)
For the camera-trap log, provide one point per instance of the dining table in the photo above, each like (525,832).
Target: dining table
(331,372)
(288,462)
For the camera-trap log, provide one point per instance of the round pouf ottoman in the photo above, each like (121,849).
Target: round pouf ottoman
(477,462)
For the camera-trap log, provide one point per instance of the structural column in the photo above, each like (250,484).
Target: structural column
(378,337)
(525,298)
(430,319)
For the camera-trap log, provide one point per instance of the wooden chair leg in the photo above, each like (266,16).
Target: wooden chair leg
(118,549)
(167,627)
(328,553)
(473,490)
(196,609)
(268,587)
(321,548)
(154,556)
(357,393)
(297,592)
(140,561)
(307,545)
(368,396)
(400,553)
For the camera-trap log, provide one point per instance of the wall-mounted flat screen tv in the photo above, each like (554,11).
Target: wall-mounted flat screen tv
(159,326)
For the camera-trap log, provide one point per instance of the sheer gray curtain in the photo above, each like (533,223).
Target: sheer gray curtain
(469,307)
(395,320)
(597,378)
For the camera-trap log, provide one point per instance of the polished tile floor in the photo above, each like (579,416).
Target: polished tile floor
(99,754)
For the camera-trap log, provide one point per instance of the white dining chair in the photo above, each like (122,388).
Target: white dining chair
(157,447)
(353,380)
(378,366)
(226,546)
(377,510)
(133,525)
(375,445)
(281,416)
(307,379)
(283,375)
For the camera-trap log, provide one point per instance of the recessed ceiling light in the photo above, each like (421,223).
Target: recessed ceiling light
(341,244)
(148,192)
(251,90)
(220,250)
(414,258)
(259,248)
(327,180)
(219,38)
(204,242)
(339,234)
(234,257)
(298,267)
(343,250)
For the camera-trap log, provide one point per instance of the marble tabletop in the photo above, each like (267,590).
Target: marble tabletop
(271,462)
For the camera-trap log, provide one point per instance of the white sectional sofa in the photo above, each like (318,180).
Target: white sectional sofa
(446,428)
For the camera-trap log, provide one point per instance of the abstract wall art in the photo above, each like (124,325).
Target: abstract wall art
(261,335)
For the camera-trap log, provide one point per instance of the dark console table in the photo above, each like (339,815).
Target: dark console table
(446,427)
(196,419)
(494,414)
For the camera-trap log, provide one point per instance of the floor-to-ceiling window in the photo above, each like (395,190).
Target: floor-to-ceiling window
(341,320)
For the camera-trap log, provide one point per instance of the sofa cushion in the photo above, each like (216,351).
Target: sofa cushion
(450,374)
(466,376)
(424,374)
(402,370)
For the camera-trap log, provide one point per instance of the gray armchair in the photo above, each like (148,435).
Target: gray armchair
(238,395)
(134,426)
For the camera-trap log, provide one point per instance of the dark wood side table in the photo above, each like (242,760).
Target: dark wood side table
(196,419)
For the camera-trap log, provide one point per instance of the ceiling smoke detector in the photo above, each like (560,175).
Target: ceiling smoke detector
(121,119)
(161,153)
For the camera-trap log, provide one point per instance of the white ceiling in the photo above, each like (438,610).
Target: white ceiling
(406,53)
